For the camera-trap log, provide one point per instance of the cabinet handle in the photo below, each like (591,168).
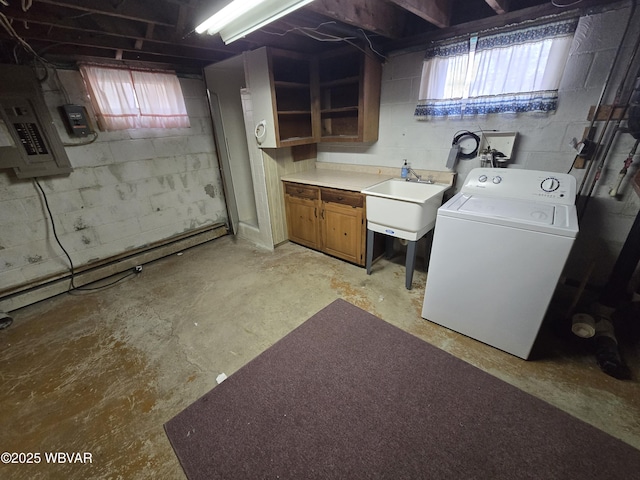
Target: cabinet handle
(322,214)
(315,212)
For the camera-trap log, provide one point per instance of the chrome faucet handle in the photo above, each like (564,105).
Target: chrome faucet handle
(411,171)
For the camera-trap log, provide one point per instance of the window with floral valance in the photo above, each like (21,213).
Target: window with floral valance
(513,72)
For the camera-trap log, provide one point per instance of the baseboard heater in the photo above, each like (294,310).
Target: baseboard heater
(41,289)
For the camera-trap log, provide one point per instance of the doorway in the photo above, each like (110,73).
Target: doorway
(241,163)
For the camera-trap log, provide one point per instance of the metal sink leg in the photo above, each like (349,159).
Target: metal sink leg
(369,250)
(410,262)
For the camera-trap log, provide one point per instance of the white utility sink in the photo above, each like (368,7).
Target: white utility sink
(403,209)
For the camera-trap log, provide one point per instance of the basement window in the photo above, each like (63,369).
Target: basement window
(126,98)
(512,72)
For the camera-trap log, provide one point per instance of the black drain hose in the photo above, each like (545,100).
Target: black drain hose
(465,134)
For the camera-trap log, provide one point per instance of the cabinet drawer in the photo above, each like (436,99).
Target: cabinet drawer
(343,197)
(301,191)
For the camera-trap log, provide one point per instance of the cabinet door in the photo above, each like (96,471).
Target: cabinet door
(303,216)
(302,221)
(342,231)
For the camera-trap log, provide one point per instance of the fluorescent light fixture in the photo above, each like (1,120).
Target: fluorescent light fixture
(226,15)
(241,17)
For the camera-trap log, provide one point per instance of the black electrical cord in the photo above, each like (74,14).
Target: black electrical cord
(72,285)
(459,135)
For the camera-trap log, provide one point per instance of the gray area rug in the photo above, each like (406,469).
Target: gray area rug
(349,396)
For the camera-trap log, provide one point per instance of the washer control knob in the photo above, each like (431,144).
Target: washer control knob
(497,179)
(550,184)
(482,178)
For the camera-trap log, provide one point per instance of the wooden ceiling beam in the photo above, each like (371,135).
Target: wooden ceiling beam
(187,17)
(128,10)
(514,17)
(308,25)
(148,35)
(499,6)
(182,20)
(373,15)
(110,27)
(62,53)
(272,35)
(437,12)
(82,39)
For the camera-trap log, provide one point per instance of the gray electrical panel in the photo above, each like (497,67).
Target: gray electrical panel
(29,141)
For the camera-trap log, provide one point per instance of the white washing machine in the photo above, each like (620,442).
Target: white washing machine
(499,248)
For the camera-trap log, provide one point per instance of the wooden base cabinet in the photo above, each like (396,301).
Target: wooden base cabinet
(302,209)
(329,220)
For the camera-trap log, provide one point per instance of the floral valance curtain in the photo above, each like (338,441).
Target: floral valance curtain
(512,72)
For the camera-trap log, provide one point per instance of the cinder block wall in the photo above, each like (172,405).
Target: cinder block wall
(128,189)
(543,140)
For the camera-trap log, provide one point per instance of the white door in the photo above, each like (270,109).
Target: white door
(223,157)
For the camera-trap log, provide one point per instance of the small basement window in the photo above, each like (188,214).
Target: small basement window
(513,72)
(126,98)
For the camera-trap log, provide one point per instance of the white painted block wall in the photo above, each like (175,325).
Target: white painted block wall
(543,140)
(128,189)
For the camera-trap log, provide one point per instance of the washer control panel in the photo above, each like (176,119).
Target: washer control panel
(559,188)
(483,178)
(550,184)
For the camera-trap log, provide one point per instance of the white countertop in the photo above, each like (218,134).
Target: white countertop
(344,180)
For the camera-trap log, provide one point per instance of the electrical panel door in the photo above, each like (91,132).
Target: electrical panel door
(29,142)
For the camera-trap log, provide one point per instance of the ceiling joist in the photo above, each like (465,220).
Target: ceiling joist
(500,6)
(437,12)
(137,11)
(373,15)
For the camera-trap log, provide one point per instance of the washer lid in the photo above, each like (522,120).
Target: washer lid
(509,212)
(518,210)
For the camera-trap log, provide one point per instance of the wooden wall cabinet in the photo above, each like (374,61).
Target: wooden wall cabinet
(326,219)
(284,97)
(349,85)
(302,99)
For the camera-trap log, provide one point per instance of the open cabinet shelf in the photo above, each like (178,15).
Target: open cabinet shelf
(292,86)
(349,86)
(305,99)
(342,81)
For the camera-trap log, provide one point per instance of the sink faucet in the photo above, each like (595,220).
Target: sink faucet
(411,171)
(418,178)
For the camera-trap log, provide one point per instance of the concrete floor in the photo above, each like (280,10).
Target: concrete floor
(101,372)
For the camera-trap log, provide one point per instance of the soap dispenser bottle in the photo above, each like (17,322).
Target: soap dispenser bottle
(404,173)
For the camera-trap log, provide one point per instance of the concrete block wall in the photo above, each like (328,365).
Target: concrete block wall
(543,140)
(128,189)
